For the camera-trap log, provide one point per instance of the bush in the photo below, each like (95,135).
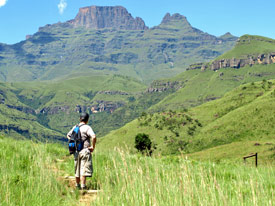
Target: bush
(143,143)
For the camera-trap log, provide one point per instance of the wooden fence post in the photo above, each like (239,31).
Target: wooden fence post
(252,155)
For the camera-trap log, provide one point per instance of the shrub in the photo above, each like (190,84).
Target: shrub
(143,143)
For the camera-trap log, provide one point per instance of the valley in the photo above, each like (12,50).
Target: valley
(175,109)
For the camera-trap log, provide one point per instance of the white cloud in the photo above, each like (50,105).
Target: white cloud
(3,2)
(61,6)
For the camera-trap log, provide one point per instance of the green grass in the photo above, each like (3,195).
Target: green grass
(30,175)
(234,152)
(27,176)
(136,180)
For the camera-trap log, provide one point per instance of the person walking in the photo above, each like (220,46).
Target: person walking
(83,159)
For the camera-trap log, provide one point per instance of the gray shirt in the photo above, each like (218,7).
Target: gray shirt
(87,134)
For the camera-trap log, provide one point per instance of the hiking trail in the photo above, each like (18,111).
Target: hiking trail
(85,196)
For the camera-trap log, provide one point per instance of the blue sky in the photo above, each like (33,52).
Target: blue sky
(21,17)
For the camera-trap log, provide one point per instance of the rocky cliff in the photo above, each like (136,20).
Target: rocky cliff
(168,19)
(99,17)
(236,62)
(159,86)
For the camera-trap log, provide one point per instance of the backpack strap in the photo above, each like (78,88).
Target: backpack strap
(80,131)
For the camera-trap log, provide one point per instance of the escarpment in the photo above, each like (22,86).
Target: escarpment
(236,63)
(99,17)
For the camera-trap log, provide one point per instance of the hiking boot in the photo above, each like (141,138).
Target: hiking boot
(83,188)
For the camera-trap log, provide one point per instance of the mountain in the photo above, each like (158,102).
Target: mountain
(108,40)
(117,100)
(96,17)
(227,36)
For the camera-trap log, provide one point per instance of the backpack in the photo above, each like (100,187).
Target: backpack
(76,143)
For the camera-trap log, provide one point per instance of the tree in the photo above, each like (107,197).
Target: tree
(143,143)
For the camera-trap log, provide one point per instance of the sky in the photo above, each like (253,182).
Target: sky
(19,18)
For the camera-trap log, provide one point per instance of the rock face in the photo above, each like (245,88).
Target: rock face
(236,63)
(117,17)
(22,109)
(164,86)
(168,18)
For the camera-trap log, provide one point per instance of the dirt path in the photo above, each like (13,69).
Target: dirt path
(86,196)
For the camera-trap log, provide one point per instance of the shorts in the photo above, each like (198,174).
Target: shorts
(83,163)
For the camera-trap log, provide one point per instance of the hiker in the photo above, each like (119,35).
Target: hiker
(83,158)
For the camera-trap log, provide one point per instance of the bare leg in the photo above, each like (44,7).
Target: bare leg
(83,180)
(77,180)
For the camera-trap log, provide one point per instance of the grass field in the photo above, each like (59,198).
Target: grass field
(28,178)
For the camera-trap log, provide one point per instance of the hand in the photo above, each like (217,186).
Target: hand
(91,149)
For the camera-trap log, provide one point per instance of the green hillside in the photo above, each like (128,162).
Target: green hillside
(244,114)
(249,45)
(31,108)
(19,120)
(199,86)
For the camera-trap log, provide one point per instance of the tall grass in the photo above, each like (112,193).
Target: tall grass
(134,180)
(27,176)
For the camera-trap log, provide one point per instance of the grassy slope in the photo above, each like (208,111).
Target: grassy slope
(249,45)
(199,87)
(246,113)
(32,176)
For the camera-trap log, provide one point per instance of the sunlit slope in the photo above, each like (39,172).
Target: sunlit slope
(245,113)
(250,45)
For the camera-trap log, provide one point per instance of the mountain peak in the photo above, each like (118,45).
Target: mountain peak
(100,17)
(228,36)
(168,18)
